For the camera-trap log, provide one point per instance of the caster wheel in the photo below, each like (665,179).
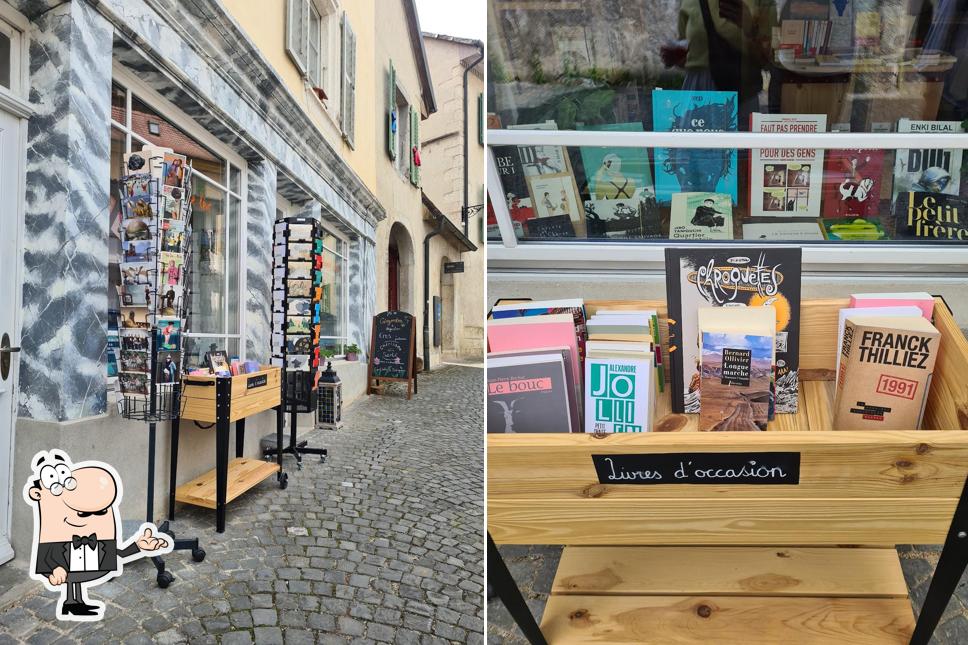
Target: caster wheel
(198,555)
(284,481)
(165,579)
(298,465)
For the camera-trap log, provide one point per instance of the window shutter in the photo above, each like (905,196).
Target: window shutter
(348,90)
(414,146)
(480,118)
(297,27)
(392,129)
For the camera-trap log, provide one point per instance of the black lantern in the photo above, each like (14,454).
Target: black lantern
(329,399)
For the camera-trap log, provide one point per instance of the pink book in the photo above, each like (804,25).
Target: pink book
(534,332)
(921,300)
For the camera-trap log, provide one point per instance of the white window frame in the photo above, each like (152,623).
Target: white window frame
(649,255)
(134,86)
(320,74)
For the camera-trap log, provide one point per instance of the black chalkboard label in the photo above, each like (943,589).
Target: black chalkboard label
(392,333)
(256,381)
(554,226)
(717,468)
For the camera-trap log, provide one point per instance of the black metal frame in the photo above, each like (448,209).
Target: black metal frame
(947,574)
(294,401)
(223,412)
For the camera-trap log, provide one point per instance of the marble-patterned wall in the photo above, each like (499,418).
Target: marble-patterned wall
(64,338)
(361,291)
(260,216)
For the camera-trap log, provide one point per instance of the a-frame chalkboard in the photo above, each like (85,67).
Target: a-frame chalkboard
(393,351)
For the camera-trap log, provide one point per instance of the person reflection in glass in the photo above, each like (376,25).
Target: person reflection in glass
(740,48)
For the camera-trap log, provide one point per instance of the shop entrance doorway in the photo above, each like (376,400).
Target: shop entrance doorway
(393,277)
(448,312)
(11,192)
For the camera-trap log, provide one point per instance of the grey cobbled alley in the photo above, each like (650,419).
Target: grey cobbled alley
(381,543)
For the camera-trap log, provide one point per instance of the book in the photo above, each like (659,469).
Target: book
(556,196)
(872,310)
(615,173)
(841,17)
(530,332)
(701,216)
(885,372)
(852,183)
(736,367)
(734,276)
(920,299)
(786,181)
(620,394)
(927,170)
(634,218)
(783,231)
(572,379)
(514,185)
(527,394)
(694,169)
(574,307)
(851,229)
(653,319)
(930,216)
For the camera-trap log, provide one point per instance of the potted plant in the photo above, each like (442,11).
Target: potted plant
(352,352)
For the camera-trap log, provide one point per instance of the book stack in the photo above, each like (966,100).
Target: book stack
(155,216)
(296,293)
(737,362)
(806,38)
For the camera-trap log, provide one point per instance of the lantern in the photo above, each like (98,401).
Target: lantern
(329,400)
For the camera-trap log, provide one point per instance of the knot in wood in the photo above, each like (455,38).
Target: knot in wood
(923,448)
(903,463)
(704,611)
(600,435)
(594,490)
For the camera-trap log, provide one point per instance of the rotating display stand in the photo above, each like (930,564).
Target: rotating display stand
(297,276)
(155,240)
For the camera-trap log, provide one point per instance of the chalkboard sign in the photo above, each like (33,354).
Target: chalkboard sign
(392,348)
(716,468)
(548,227)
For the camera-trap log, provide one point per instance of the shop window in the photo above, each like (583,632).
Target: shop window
(789,69)
(217,205)
(403,134)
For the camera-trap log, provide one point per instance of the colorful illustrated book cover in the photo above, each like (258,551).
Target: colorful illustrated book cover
(514,184)
(556,196)
(786,181)
(694,170)
(574,308)
(616,173)
(930,216)
(732,276)
(634,218)
(928,170)
(618,395)
(527,394)
(852,183)
(849,229)
(701,216)
(736,373)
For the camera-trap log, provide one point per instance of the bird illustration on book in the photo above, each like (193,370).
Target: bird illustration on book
(508,414)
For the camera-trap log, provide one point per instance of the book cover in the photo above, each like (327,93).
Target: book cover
(732,276)
(514,185)
(735,382)
(527,394)
(619,395)
(786,181)
(928,170)
(694,169)
(530,332)
(615,173)
(920,299)
(875,309)
(556,196)
(885,372)
(572,379)
(783,231)
(573,307)
(852,183)
(930,216)
(701,216)
(850,229)
(634,218)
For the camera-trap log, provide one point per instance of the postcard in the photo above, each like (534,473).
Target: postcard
(134,318)
(134,361)
(134,295)
(136,163)
(300,232)
(300,251)
(297,325)
(169,334)
(170,268)
(136,251)
(174,174)
(134,186)
(133,382)
(170,299)
(136,230)
(138,207)
(300,288)
(136,272)
(171,208)
(167,368)
(172,236)
(300,270)
(298,363)
(135,341)
(299,307)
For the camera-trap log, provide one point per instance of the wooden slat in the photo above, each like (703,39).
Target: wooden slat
(948,397)
(244,406)
(243,475)
(758,571)
(832,464)
(817,401)
(727,620)
(719,521)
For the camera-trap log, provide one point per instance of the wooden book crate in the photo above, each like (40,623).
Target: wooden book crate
(251,393)
(856,488)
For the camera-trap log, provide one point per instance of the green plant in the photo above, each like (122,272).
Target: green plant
(352,348)
(328,353)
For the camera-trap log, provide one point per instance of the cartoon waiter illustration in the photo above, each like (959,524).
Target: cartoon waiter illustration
(76,523)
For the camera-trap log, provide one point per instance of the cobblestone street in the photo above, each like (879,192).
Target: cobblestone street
(533,568)
(382,543)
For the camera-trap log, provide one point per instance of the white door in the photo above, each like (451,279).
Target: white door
(10,259)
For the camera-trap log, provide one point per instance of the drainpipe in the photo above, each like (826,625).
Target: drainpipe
(426,311)
(467,71)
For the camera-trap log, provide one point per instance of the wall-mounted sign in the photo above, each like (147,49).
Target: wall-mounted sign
(699,468)
(453,267)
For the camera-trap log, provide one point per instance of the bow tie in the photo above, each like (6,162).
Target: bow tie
(79,540)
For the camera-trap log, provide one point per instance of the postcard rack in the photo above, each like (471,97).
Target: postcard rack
(156,249)
(694,563)
(297,273)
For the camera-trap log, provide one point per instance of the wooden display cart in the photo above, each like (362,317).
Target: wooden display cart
(744,563)
(221,401)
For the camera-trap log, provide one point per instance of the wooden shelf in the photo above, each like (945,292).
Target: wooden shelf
(243,475)
(728,595)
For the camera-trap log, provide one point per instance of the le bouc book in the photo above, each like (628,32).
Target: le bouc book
(885,372)
(732,276)
(527,394)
